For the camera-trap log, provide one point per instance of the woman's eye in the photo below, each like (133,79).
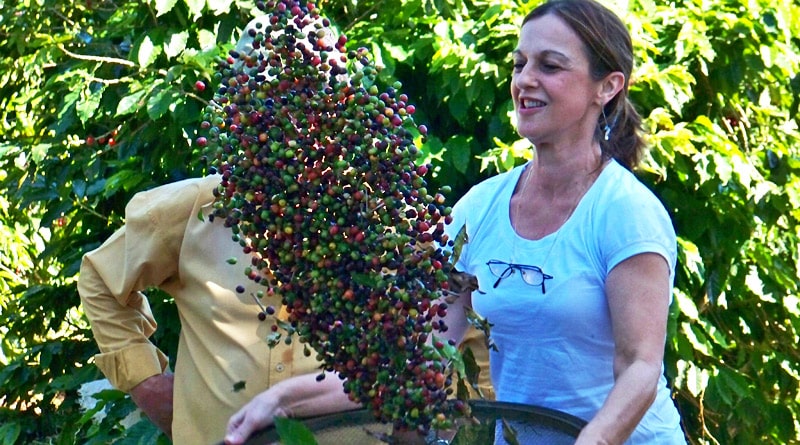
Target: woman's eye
(550,67)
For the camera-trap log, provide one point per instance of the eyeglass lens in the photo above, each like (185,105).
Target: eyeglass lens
(530,274)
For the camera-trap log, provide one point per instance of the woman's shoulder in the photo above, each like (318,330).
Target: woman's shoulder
(620,185)
(623,203)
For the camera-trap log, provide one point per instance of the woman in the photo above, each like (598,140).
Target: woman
(574,256)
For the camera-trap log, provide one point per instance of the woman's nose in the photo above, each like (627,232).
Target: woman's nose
(526,77)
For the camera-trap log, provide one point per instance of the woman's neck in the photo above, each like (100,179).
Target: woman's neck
(547,194)
(556,173)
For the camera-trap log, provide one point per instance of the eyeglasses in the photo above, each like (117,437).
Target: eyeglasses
(532,275)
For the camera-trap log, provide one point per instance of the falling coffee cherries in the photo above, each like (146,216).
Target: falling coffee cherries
(320,187)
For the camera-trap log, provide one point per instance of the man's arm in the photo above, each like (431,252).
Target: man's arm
(300,396)
(120,316)
(144,253)
(154,397)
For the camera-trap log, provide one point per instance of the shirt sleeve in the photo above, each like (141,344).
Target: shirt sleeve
(144,253)
(637,226)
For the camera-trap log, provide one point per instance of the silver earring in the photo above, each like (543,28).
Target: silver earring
(606,127)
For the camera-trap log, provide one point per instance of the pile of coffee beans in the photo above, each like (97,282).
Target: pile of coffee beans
(321,187)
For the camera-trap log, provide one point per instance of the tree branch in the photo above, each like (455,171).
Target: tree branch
(96,58)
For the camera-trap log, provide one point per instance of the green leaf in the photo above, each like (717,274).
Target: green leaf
(220,6)
(143,432)
(206,39)
(130,103)
(148,52)
(397,52)
(203,60)
(459,152)
(698,338)
(472,370)
(70,99)
(122,180)
(160,102)
(96,187)
(458,105)
(462,390)
(293,432)
(473,433)
(784,422)
(482,325)
(458,244)
(195,7)
(175,44)
(164,6)
(9,432)
(89,103)
(79,188)
(452,354)
(732,380)
(39,152)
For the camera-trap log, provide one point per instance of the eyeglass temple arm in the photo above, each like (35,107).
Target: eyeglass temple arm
(545,277)
(497,282)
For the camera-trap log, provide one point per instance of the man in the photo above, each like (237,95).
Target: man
(223,358)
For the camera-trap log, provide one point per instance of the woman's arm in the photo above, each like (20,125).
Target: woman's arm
(638,291)
(300,396)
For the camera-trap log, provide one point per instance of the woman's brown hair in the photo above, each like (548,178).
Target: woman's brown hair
(609,49)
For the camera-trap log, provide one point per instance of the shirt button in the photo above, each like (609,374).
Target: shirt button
(280,367)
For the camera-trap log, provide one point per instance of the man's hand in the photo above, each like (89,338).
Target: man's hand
(154,397)
(259,413)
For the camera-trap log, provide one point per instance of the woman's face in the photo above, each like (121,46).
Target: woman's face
(555,98)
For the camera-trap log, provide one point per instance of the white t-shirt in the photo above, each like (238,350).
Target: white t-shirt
(555,348)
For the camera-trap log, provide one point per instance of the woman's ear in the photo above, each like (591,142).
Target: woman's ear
(610,86)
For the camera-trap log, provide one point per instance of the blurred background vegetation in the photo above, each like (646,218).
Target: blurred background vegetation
(97,102)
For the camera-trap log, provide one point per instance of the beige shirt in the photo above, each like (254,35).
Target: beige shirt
(167,242)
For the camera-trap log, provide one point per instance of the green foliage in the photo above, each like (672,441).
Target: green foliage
(98,101)
(294,432)
(725,149)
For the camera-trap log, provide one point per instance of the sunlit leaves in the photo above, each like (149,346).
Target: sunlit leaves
(148,51)
(130,103)
(164,6)
(89,103)
(175,44)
